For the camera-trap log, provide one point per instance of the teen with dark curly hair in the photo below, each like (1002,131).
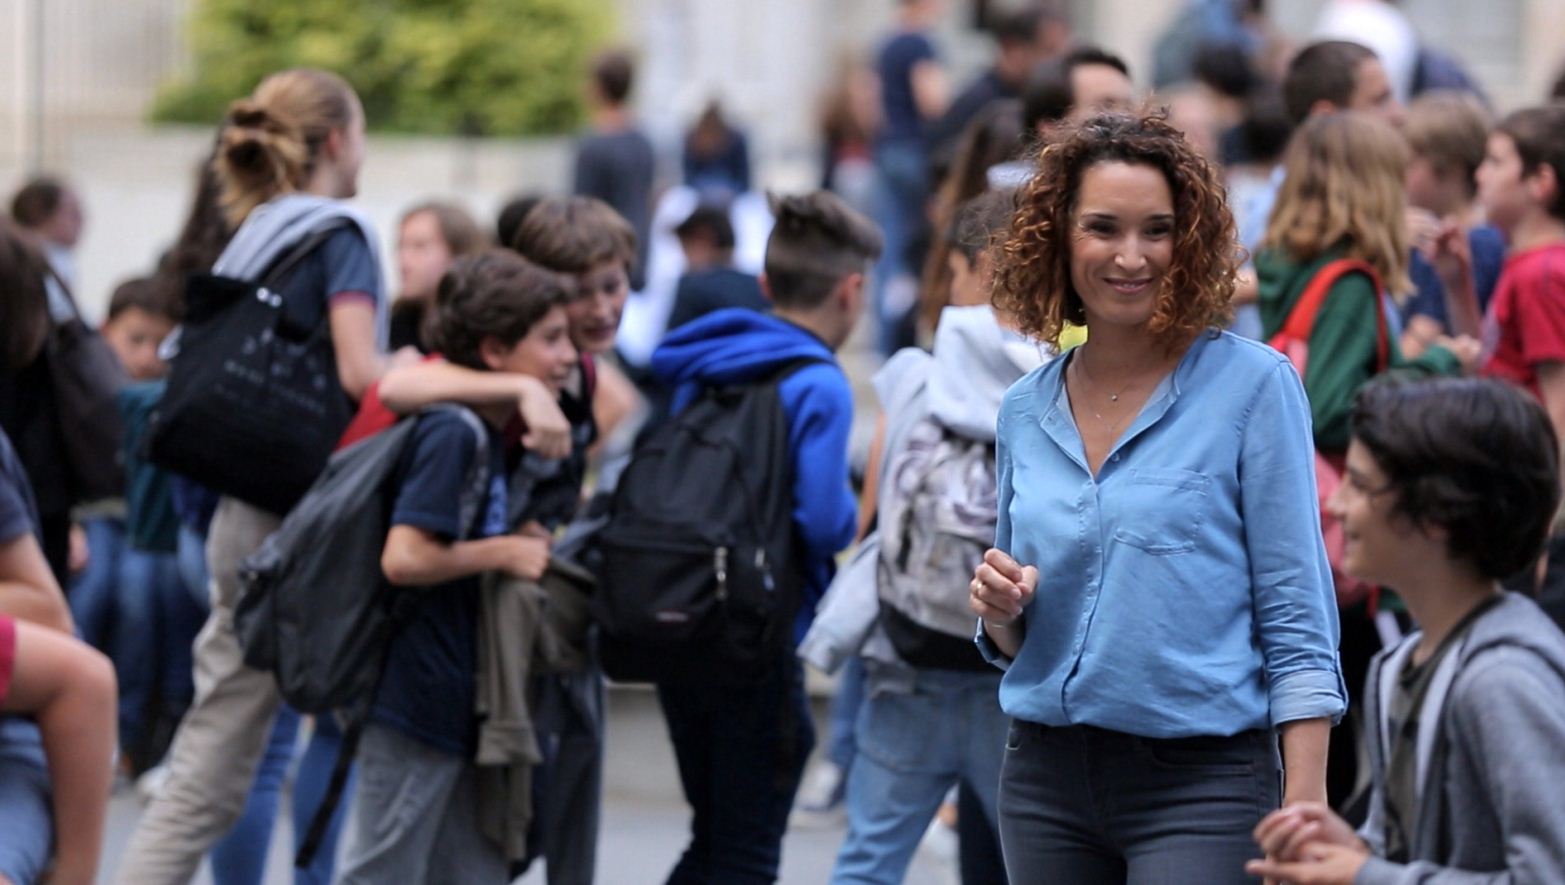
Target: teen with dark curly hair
(1159,594)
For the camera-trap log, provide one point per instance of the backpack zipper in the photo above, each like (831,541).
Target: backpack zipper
(765,570)
(720,564)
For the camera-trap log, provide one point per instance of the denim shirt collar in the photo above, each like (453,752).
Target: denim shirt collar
(1060,425)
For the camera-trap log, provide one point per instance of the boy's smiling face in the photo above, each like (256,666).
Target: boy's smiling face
(545,352)
(595,310)
(1382,545)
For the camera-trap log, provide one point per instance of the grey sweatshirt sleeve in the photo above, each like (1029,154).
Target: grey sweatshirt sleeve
(1509,722)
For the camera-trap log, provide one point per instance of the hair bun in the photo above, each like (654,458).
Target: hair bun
(247,114)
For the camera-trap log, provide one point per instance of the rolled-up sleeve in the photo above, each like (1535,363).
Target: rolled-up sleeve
(1295,605)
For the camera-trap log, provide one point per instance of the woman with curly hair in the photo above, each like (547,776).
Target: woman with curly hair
(1158,594)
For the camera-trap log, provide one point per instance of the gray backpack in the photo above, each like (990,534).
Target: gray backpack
(937,513)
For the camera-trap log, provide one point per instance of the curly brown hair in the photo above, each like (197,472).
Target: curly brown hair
(1033,275)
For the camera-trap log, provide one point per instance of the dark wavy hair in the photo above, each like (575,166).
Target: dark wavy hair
(1476,457)
(1033,275)
(494,293)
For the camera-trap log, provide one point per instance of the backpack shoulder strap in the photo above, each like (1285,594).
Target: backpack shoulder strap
(1301,320)
(793,367)
(589,377)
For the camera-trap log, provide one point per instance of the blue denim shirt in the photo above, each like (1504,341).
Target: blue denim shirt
(1185,590)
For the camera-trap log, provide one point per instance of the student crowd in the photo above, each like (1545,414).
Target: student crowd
(1208,532)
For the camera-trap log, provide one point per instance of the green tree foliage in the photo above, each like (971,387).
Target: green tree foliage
(481,67)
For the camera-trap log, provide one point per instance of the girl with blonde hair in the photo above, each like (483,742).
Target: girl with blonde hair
(1343,198)
(286,158)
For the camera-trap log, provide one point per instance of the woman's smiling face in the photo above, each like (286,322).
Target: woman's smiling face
(1122,242)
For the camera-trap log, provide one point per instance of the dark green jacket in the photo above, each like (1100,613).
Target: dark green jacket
(1342,344)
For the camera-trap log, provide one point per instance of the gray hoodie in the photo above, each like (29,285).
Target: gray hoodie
(1491,804)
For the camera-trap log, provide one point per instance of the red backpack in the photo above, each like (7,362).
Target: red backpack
(1293,341)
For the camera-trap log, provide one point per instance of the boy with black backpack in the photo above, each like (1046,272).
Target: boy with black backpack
(416,817)
(724,530)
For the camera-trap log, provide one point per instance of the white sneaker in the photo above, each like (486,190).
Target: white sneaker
(819,803)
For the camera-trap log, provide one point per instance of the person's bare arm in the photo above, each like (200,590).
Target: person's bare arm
(359,362)
(869,495)
(28,591)
(614,400)
(1551,384)
(1451,254)
(1421,332)
(1304,743)
(68,688)
(414,557)
(931,89)
(406,389)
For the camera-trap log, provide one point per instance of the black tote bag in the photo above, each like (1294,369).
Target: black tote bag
(253,407)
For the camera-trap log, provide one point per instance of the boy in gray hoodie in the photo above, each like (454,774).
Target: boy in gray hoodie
(1451,485)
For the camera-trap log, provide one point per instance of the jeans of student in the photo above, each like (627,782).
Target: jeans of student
(416,817)
(912,747)
(568,784)
(239,858)
(1084,804)
(977,841)
(131,604)
(844,716)
(901,187)
(741,750)
(26,810)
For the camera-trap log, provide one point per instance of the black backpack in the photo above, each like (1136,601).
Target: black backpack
(699,574)
(316,611)
(314,608)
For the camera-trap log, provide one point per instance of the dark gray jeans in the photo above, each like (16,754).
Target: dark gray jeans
(1088,805)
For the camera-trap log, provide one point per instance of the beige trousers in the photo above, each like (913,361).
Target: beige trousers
(213,760)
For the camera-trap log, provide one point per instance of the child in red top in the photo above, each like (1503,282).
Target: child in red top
(1520,185)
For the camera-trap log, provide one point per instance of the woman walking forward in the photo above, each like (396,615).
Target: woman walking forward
(1159,594)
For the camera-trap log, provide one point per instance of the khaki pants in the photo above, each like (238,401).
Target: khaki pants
(220,741)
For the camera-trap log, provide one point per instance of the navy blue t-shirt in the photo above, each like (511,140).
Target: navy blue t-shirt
(427,690)
(901,119)
(703,291)
(1488,250)
(18,512)
(342,267)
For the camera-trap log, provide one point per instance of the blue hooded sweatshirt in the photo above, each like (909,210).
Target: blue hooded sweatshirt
(738,346)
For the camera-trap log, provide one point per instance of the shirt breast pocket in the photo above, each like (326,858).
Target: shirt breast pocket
(1160,511)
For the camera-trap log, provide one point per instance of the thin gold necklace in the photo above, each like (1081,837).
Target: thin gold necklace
(1086,377)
